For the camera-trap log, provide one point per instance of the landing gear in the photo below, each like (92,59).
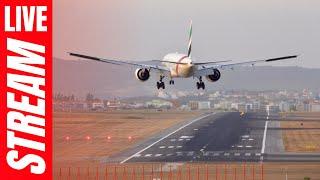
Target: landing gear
(160,84)
(200,84)
(171,82)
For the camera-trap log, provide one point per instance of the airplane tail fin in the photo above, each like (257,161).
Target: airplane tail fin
(190,40)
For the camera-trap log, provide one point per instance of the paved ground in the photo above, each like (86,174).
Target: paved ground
(217,137)
(223,136)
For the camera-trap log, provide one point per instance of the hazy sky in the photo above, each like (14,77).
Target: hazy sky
(223,29)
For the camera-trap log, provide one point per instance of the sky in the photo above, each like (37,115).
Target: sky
(238,30)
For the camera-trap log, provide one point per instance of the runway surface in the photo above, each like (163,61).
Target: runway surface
(221,136)
(216,137)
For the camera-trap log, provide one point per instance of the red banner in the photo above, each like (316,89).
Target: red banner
(26,89)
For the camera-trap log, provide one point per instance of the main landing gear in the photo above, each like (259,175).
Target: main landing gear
(200,84)
(160,84)
(171,82)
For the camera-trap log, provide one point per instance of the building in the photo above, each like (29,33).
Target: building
(248,107)
(113,104)
(97,105)
(284,106)
(204,105)
(194,105)
(242,108)
(69,106)
(159,104)
(272,109)
(255,106)
(315,107)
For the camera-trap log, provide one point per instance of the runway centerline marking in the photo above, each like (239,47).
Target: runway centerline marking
(193,121)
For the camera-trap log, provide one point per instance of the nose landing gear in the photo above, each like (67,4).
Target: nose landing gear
(200,84)
(160,84)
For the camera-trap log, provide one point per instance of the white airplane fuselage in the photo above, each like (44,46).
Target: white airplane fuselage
(179,70)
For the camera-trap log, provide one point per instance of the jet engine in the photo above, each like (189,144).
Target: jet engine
(142,74)
(215,76)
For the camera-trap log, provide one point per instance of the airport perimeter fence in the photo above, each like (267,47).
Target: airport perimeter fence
(168,171)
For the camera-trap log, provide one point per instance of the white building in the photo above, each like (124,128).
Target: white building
(284,106)
(159,104)
(203,105)
(97,105)
(315,108)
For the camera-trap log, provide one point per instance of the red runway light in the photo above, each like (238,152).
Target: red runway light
(67,138)
(129,137)
(109,137)
(88,137)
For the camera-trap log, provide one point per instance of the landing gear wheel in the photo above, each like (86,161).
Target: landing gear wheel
(203,85)
(160,84)
(171,82)
(200,84)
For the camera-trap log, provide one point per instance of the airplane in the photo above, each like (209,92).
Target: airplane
(176,65)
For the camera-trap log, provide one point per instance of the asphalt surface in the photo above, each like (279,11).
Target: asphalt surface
(217,137)
(221,136)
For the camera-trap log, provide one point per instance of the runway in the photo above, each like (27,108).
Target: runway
(218,137)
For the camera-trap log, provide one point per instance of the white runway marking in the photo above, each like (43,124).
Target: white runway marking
(186,137)
(264,137)
(137,155)
(172,140)
(179,147)
(190,153)
(170,147)
(248,146)
(179,153)
(148,155)
(226,154)
(240,146)
(158,155)
(248,154)
(195,129)
(236,154)
(162,147)
(193,121)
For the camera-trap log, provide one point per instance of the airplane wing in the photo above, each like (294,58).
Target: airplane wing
(207,70)
(160,69)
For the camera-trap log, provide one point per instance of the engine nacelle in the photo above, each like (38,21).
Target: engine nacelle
(215,76)
(142,74)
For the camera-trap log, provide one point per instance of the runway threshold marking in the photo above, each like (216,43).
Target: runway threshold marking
(139,152)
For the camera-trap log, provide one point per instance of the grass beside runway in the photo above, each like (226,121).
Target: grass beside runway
(302,136)
(84,138)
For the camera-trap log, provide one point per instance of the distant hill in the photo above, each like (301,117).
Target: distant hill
(103,80)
